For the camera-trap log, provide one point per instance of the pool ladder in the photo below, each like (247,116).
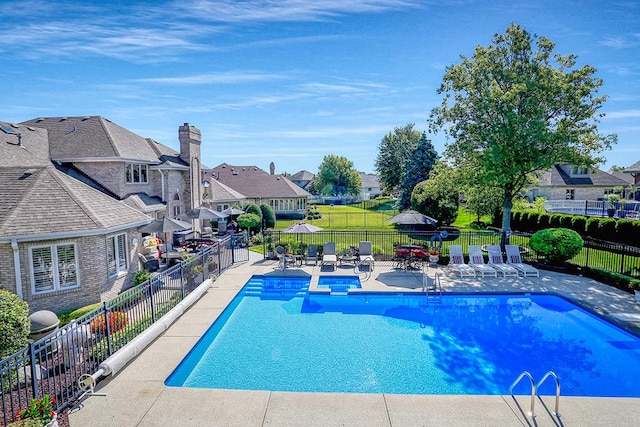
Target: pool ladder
(432,291)
(535,387)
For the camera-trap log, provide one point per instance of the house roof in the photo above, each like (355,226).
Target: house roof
(556,176)
(626,177)
(254,182)
(303,175)
(634,168)
(223,193)
(32,151)
(93,137)
(145,203)
(45,203)
(370,180)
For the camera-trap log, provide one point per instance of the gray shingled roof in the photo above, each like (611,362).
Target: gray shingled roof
(303,175)
(145,203)
(223,193)
(93,137)
(370,180)
(556,176)
(44,201)
(634,168)
(254,182)
(32,151)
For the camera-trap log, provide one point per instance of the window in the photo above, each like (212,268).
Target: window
(571,194)
(301,204)
(177,205)
(53,268)
(579,170)
(136,174)
(117,254)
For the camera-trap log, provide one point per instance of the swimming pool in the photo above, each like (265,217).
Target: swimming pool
(285,339)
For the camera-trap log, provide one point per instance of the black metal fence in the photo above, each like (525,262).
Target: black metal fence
(619,258)
(53,364)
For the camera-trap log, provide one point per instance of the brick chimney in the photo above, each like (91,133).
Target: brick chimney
(190,141)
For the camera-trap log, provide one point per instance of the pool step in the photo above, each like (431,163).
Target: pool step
(257,288)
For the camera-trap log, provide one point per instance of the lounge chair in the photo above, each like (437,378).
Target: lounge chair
(366,255)
(312,254)
(476,261)
(329,256)
(496,261)
(456,261)
(515,260)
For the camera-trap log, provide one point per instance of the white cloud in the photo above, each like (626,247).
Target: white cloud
(625,114)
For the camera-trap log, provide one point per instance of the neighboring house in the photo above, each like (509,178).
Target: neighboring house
(74,191)
(634,171)
(370,186)
(566,182)
(303,179)
(258,186)
(219,197)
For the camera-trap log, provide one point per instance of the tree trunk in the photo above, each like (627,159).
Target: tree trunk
(506,218)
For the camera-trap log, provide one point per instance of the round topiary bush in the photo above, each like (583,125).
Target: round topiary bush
(556,245)
(15,325)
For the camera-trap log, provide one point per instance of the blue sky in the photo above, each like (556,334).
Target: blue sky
(290,81)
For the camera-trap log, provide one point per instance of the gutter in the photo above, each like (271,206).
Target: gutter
(16,266)
(71,235)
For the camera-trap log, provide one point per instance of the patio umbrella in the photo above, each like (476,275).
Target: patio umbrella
(301,227)
(202,213)
(412,218)
(165,225)
(233,211)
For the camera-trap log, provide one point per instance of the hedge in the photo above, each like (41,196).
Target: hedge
(623,230)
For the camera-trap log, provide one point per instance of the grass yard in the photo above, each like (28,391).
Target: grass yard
(347,218)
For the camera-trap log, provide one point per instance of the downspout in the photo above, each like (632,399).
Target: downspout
(161,184)
(16,267)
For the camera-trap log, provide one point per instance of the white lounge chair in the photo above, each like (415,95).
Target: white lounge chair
(329,256)
(514,259)
(456,261)
(366,254)
(476,261)
(496,261)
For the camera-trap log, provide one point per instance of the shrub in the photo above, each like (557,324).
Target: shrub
(544,220)
(67,316)
(117,321)
(15,325)
(290,215)
(579,224)
(566,221)
(249,221)
(607,229)
(141,276)
(628,231)
(268,216)
(38,409)
(591,227)
(556,245)
(611,278)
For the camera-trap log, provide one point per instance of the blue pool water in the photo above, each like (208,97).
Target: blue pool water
(339,283)
(275,336)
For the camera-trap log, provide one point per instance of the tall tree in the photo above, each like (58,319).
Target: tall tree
(514,108)
(393,152)
(417,168)
(438,196)
(337,176)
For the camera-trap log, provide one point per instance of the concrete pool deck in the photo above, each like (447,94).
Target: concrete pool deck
(137,396)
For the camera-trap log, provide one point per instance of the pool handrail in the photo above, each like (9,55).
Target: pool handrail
(555,377)
(534,390)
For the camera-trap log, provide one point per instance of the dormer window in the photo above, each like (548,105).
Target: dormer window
(136,174)
(579,170)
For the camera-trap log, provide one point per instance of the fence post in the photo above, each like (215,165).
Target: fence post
(107,327)
(624,251)
(34,377)
(151,293)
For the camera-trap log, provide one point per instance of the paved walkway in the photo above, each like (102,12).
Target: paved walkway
(137,396)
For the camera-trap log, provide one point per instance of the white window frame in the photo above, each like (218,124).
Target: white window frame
(120,258)
(55,269)
(142,172)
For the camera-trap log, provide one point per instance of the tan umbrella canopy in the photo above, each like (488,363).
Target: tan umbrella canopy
(233,211)
(301,227)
